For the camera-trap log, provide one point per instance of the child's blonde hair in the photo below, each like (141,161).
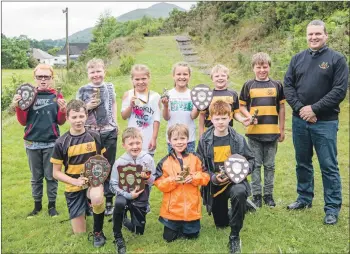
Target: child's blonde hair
(178,128)
(44,67)
(131,132)
(220,67)
(261,58)
(182,64)
(140,68)
(95,62)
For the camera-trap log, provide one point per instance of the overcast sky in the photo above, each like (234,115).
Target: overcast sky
(45,20)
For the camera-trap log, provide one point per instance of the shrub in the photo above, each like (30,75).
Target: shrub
(9,90)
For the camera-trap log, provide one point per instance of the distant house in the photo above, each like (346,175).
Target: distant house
(42,56)
(75,50)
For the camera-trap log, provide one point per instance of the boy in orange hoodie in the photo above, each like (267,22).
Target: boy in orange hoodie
(178,176)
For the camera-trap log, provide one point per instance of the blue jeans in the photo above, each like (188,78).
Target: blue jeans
(191,146)
(321,135)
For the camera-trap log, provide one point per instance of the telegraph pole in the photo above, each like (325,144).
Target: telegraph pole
(67,43)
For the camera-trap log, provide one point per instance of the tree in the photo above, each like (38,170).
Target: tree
(14,52)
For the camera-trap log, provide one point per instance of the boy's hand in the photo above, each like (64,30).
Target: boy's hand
(80,181)
(146,175)
(282,135)
(62,104)
(188,179)
(16,99)
(222,180)
(135,193)
(92,104)
(165,101)
(246,121)
(132,101)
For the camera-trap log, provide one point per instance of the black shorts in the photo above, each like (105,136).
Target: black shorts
(77,203)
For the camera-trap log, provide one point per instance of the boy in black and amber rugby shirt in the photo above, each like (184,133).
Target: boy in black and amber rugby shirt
(72,150)
(220,75)
(267,96)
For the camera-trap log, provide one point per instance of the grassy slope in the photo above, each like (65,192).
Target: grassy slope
(267,231)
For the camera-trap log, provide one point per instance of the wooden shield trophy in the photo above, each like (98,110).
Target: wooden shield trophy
(97,170)
(28,94)
(236,168)
(130,177)
(201,96)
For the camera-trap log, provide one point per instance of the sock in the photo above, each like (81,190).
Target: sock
(37,205)
(109,200)
(52,204)
(234,233)
(98,222)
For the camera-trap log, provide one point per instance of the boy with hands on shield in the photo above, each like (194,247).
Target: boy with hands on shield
(72,150)
(215,147)
(137,200)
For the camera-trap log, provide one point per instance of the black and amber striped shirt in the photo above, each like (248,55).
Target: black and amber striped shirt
(73,151)
(267,97)
(227,95)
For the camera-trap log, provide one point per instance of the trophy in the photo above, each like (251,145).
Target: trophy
(201,96)
(236,168)
(184,173)
(254,116)
(130,177)
(58,92)
(165,94)
(28,94)
(96,170)
(97,95)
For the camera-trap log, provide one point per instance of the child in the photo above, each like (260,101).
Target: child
(267,96)
(180,212)
(72,150)
(41,131)
(220,76)
(141,107)
(178,108)
(215,146)
(135,201)
(99,97)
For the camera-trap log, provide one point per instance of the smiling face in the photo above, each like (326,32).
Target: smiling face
(181,76)
(77,121)
(96,74)
(220,79)
(316,37)
(178,142)
(43,78)
(140,81)
(133,146)
(262,71)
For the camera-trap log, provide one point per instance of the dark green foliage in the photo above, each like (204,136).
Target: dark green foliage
(9,90)
(14,52)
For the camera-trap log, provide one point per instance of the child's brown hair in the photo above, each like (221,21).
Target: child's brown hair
(178,128)
(220,108)
(95,62)
(76,105)
(131,132)
(261,58)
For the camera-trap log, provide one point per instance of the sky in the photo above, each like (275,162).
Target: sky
(45,20)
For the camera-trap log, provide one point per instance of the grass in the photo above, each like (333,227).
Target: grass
(267,231)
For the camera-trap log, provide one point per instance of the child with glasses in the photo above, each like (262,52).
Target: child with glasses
(41,122)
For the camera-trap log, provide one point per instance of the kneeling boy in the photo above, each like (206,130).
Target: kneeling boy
(136,201)
(215,146)
(178,176)
(72,150)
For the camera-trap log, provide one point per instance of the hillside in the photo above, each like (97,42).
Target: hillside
(160,10)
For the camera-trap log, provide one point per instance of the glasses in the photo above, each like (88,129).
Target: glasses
(41,77)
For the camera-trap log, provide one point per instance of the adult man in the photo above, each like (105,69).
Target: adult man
(314,85)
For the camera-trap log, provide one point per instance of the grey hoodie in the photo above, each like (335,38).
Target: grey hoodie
(125,159)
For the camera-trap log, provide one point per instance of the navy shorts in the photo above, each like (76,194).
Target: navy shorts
(77,203)
(185,227)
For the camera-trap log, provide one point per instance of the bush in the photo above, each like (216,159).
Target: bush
(126,62)
(9,90)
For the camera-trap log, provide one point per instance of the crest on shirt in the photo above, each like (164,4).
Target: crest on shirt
(270,91)
(89,147)
(324,65)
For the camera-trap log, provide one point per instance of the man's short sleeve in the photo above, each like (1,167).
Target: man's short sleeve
(57,155)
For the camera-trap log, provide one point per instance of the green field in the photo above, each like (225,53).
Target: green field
(266,231)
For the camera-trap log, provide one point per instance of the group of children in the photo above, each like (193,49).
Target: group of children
(93,130)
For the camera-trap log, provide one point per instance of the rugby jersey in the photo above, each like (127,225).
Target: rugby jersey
(73,151)
(227,95)
(222,150)
(267,97)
